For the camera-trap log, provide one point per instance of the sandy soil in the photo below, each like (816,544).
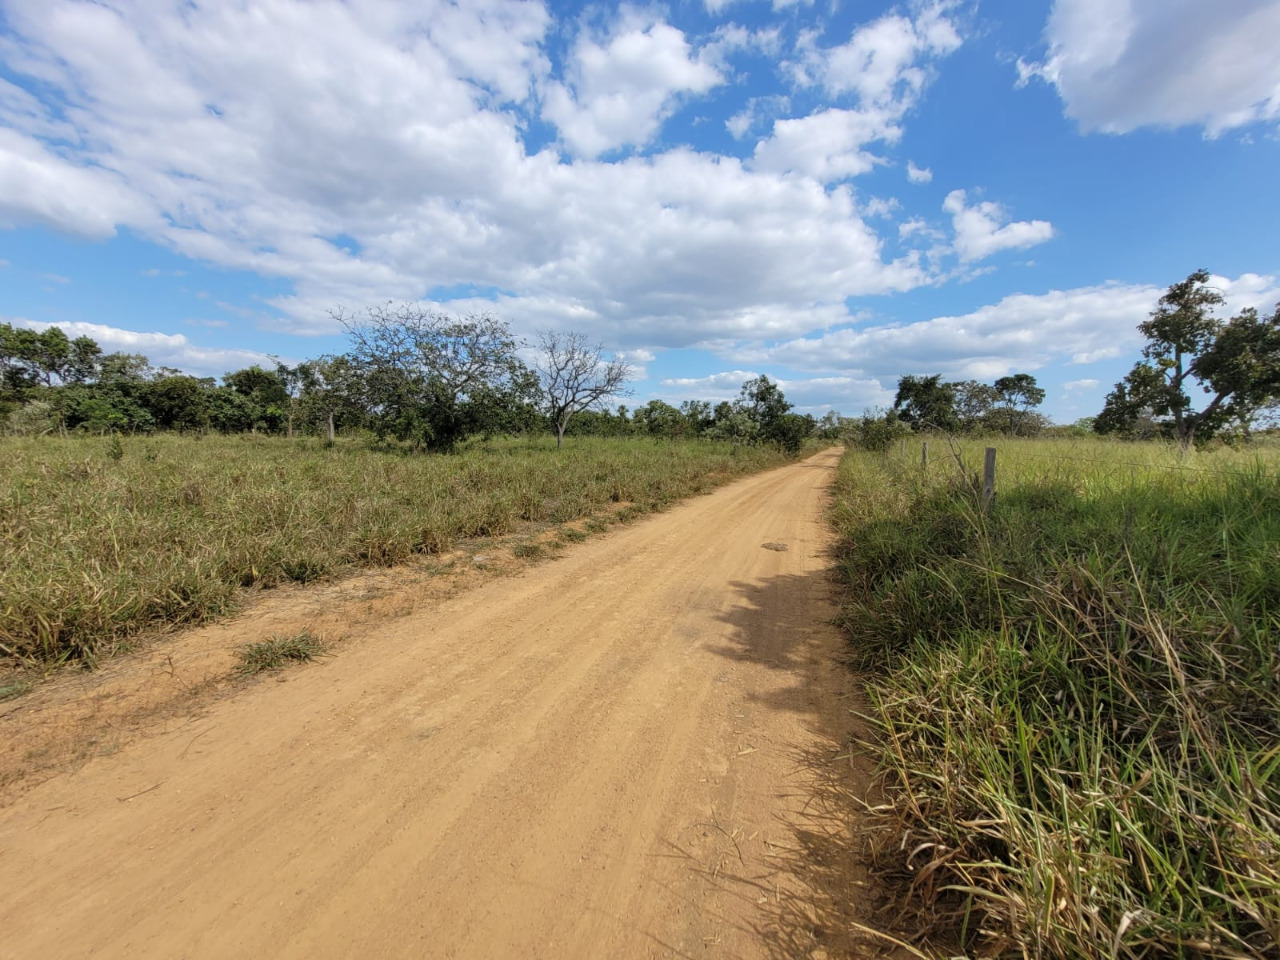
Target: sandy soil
(640,749)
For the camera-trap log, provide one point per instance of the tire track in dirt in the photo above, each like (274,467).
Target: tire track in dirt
(628,752)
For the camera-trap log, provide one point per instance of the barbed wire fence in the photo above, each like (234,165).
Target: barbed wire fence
(942,450)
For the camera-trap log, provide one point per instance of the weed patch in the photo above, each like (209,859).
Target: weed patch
(280,650)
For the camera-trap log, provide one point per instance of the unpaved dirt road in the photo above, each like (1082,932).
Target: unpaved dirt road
(637,750)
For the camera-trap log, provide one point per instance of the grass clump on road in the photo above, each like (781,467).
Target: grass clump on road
(266,655)
(96,548)
(1077,697)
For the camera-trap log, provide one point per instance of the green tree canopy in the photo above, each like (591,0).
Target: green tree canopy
(1017,395)
(926,403)
(1234,363)
(436,379)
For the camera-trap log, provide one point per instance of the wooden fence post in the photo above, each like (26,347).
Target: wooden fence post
(924,454)
(902,448)
(989,479)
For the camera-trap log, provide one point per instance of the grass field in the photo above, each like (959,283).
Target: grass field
(101,539)
(1076,697)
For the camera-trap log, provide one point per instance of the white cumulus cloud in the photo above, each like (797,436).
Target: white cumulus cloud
(918,174)
(620,90)
(1019,333)
(883,68)
(808,394)
(376,150)
(38,186)
(985,228)
(1123,64)
(1077,386)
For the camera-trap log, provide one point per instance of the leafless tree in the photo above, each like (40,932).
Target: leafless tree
(574,376)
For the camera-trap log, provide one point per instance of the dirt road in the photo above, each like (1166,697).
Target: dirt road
(633,751)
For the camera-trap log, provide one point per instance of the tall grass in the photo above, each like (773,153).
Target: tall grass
(1077,697)
(101,541)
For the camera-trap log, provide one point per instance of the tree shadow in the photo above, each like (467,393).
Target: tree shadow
(828,900)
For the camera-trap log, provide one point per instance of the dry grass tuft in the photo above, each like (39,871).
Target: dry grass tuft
(273,654)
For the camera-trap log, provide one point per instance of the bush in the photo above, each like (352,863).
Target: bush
(876,431)
(33,419)
(790,431)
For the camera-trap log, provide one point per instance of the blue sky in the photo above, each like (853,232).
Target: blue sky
(832,192)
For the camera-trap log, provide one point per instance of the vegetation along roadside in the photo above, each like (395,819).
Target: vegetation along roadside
(1076,695)
(103,538)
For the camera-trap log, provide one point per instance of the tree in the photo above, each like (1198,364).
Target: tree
(124,368)
(574,376)
(82,363)
(50,354)
(791,430)
(734,424)
(764,402)
(28,357)
(434,379)
(697,414)
(179,402)
(292,379)
(17,345)
(103,409)
(1236,363)
(660,419)
(1018,394)
(231,411)
(265,390)
(926,403)
(877,430)
(332,394)
(974,401)
(599,423)
(761,413)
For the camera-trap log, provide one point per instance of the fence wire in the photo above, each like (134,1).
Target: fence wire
(946,454)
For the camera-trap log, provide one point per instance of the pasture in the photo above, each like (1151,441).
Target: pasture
(104,538)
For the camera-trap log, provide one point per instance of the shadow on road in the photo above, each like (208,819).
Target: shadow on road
(786,624)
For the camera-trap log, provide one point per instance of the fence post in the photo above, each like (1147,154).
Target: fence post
(924,454)
(902,448)
(989,479)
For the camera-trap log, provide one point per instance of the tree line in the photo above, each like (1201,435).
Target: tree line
(432,380)
(929,404)
(416,376)
(1233,363)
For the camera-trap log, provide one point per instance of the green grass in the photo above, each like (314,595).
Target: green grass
(1077,697)
(273,654)
(96,548)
